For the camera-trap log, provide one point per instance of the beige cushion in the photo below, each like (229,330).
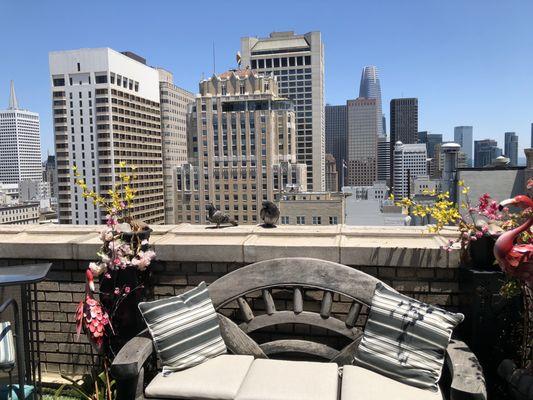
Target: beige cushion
(362,384)
(218,378)
(290,380)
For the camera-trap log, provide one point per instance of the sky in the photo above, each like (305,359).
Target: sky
(469,62)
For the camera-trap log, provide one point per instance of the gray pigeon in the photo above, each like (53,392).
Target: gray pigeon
(218,217)
(269,214)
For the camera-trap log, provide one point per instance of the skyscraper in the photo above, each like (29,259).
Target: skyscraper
(370,88)
(403,124)
(383,159)
(298,63)
(362,150)
(242,148)
(485,152)
(106,111)
(336,136)
(431,140)
(511,148)
(174,102)
(409,163)
(463,135)
(332,175)
(20,143)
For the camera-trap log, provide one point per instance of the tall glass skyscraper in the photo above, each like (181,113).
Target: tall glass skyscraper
(463,135)
(336,136)
(370,88)
(511,147)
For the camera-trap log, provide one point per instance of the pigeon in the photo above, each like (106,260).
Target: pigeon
(218,217)
(269,214)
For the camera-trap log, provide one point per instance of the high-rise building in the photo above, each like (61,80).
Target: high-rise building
(106,113)
(298,63)
(531,144)
(383,159)
(332,175)
(362,153)
(241,146)
(511,148)
(174,102)
(50,175)
(336,137)
(409,163)
(370,88)
(20,143)
(463,135)
(403,124)
(485,152)
(431,140)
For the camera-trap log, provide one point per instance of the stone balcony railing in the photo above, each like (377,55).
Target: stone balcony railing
(408,258)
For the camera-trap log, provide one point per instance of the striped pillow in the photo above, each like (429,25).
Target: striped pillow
(184,329)
(7,346)
(406,339)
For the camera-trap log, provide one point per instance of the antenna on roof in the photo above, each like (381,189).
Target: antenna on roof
(214,60)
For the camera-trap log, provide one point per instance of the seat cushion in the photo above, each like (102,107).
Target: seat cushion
(290,380)
(218,378)
(362,384)
(184,328)
(405,339)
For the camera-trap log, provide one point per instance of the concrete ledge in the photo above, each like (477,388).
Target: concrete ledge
(351,245)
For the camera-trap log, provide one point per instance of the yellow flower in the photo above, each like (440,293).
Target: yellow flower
(465,190)
(461,183)
(122,164)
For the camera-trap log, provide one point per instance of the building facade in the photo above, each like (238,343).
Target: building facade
(20,214)
(370,88)
(298,63)
(20,143)
(463,135)
(409,163)
(431,140)
(403,124)
(511,148)
(485,152)
(241,146)
(311,208)
(174,103)
(50,175)
(106,113)
(383,159)
(362,153)
(336,137)
(332,175)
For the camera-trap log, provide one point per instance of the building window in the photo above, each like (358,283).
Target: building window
(333,221)
(300,220)
(101,79)
(285,220)
(317,220)
(79,67)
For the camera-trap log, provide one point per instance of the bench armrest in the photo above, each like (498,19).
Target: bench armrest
(131,358)
(468,381)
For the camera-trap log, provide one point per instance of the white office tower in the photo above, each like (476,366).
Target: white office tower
(106,112)
(409,163)
(297,61)
(20,143)
(174,102)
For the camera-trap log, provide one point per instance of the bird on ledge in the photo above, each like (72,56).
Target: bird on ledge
(269,214)
(218,217)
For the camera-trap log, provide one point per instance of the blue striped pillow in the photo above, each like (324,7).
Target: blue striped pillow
(184,329)
(406,339)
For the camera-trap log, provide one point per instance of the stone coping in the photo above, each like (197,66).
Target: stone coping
(350,245)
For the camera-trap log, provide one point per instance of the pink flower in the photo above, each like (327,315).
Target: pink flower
(127,289)
(97,269)
(107,275)
(478,235)
(117,291)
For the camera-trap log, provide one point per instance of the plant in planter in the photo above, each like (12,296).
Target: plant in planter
(109,315)
(478,225)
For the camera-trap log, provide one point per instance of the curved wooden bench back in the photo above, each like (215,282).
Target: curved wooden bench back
(297,275)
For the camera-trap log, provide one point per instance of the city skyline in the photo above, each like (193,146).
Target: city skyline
(472,91)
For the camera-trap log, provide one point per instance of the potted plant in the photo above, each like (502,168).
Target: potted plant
(109,314)
(479,225)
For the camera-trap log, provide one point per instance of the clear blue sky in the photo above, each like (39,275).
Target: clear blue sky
(470,62)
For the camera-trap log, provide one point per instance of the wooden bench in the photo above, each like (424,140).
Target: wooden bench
(463,377)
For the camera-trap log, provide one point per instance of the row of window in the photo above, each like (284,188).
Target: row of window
(281,62)
(300,220)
